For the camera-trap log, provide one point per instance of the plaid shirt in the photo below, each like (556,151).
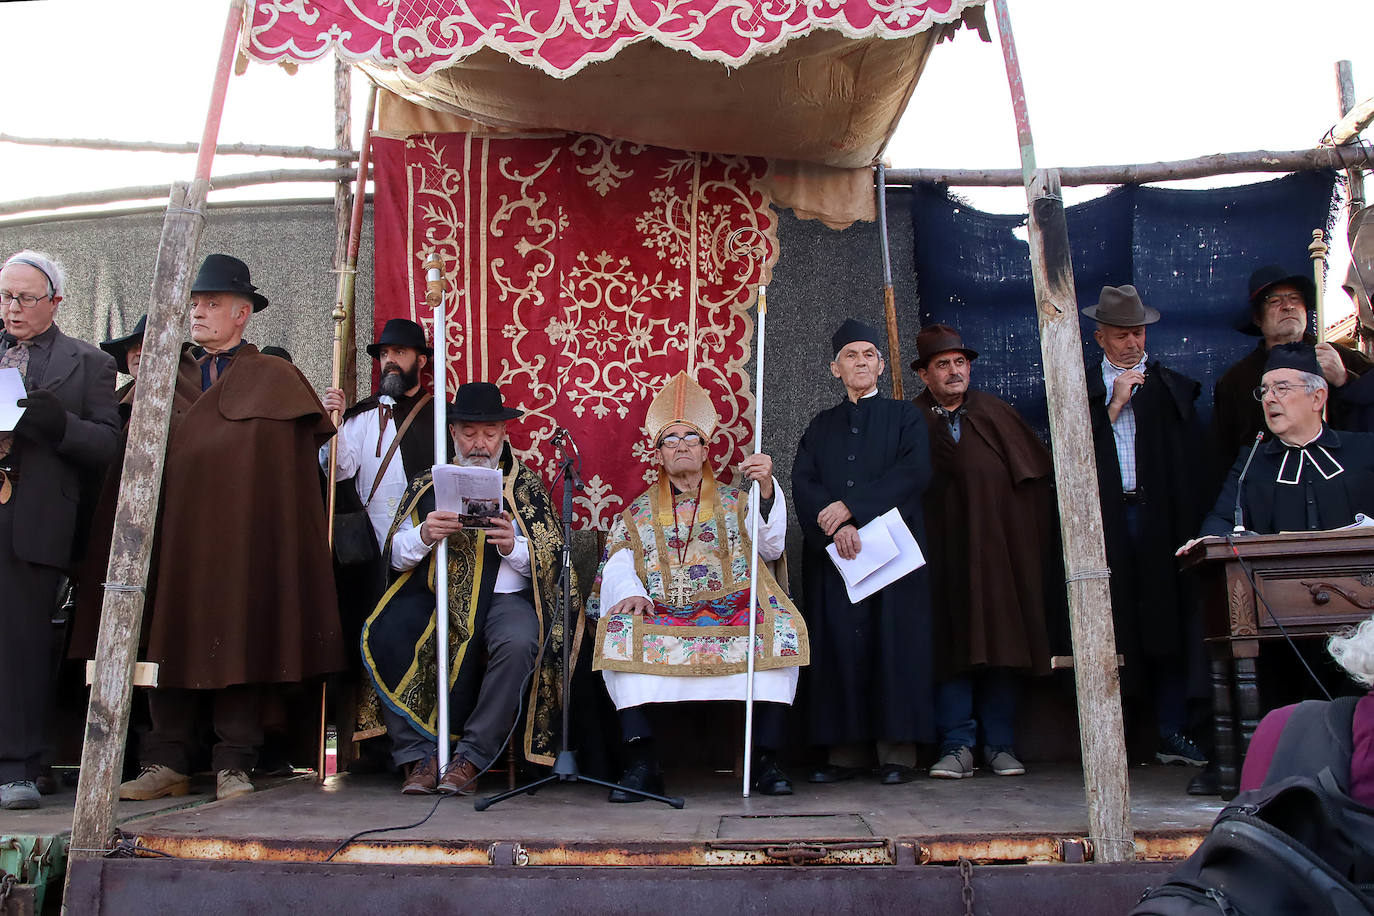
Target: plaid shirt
(1124,424)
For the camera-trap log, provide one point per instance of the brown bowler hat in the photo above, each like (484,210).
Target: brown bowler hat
(1120,307)
(935,339)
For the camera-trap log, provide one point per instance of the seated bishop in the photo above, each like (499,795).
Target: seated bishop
(673,595)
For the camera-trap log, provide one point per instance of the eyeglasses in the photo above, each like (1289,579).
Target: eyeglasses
(1276,299)
(691,439)
(1280,390)
(24,299)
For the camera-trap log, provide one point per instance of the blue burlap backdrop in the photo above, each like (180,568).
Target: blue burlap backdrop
(1189,253)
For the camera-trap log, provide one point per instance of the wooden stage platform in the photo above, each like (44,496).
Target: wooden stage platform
(292,831)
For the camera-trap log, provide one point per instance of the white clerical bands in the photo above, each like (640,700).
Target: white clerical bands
(1316,455)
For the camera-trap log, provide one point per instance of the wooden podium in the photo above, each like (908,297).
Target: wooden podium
(1314,583)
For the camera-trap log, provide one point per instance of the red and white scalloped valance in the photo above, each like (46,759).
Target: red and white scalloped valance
(560,37)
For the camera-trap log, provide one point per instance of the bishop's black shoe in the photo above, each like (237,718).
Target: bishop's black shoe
(894,774)
(643,774)
(769,779)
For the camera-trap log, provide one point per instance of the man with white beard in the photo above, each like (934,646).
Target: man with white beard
(502,584)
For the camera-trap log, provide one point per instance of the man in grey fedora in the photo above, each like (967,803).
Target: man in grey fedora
(1147,441)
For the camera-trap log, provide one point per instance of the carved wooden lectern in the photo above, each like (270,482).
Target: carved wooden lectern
(1314,582)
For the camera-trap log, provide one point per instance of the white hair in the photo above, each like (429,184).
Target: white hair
(46,264)
(1353,650)
(1311,381)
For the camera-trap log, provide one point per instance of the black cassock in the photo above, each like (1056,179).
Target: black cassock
(870,674)
(1314,488)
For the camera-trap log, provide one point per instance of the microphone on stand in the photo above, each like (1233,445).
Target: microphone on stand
(1240,484)
(572,457)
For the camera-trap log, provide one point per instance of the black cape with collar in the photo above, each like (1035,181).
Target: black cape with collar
(1237,417)
(1268,506)
(1150,600)
(870,676)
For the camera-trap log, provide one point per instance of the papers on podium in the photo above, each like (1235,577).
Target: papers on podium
(888,552)
(11,390)
(473,493)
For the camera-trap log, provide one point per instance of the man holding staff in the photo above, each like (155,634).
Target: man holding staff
(674,600)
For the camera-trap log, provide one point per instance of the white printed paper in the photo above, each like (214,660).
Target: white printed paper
(473,493)
(863,577)
(11,390)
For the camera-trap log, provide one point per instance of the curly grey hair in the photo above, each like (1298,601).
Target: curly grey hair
(1353,650)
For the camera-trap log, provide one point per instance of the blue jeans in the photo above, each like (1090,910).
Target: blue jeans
(996,690)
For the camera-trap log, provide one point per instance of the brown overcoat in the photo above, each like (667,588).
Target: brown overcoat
(245,587)
(987,515)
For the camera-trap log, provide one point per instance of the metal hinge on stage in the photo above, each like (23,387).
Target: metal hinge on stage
(805,852)
(507,854)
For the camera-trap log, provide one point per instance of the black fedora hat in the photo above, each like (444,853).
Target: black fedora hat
(119,347)
(224,273)
(1264,279)
(934,339)
(400,332)
(1120,307)
(480,402)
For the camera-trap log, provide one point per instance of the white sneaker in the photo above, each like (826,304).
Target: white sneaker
(957,764)
(231,784)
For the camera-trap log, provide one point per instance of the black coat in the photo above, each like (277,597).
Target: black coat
(870,675)
(1268,506)
(1237,417)
(1150,602)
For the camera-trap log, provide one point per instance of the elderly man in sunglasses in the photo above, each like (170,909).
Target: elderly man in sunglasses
(69,428)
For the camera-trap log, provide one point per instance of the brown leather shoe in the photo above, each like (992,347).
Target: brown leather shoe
(422,777)
(460,778)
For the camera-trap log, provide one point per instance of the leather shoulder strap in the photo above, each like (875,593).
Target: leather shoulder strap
(395,443)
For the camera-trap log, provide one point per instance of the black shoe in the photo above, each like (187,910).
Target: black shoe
(834,773)
(643,775)
(1208,782)
(894,774)
(45,782)
(769,779)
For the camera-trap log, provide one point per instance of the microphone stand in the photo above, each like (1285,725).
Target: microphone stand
(565,765)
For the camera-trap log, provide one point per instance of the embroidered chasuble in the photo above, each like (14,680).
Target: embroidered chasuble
(692,554)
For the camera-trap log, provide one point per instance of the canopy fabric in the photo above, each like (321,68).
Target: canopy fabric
(560,38)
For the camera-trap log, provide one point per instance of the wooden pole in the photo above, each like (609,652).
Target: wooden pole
(1317,252)
(154,191)
(1354,154)
(152,146)
(1345,87)
(894,340)
(1096,678)
(107,719)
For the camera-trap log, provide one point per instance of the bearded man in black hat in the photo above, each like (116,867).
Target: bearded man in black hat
(988,514)
(69,429)
(870,676)
(504,624)
(1280,304)
(1147,442)
(245,588)
(1305,476)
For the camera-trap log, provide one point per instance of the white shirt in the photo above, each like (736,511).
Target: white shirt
(408,549)
(358,458)
(1124,424)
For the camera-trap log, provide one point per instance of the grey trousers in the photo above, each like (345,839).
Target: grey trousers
(511,641)
(27,595)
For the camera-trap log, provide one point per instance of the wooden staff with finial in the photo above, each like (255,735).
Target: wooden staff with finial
(1317,251)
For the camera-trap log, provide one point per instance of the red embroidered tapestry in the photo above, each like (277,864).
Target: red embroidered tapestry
(581,274)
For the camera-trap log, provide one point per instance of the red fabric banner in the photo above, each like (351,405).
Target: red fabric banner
(581,274)
(561,37)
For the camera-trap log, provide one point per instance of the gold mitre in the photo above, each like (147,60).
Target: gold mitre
(683,401)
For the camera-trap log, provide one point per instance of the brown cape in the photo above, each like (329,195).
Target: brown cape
(245,587)
(987,514)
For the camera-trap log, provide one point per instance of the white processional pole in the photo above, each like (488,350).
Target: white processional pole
(754,513)
(434,298)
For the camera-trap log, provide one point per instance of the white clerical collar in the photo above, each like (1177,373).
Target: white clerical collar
(871,394)
(1325,464)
